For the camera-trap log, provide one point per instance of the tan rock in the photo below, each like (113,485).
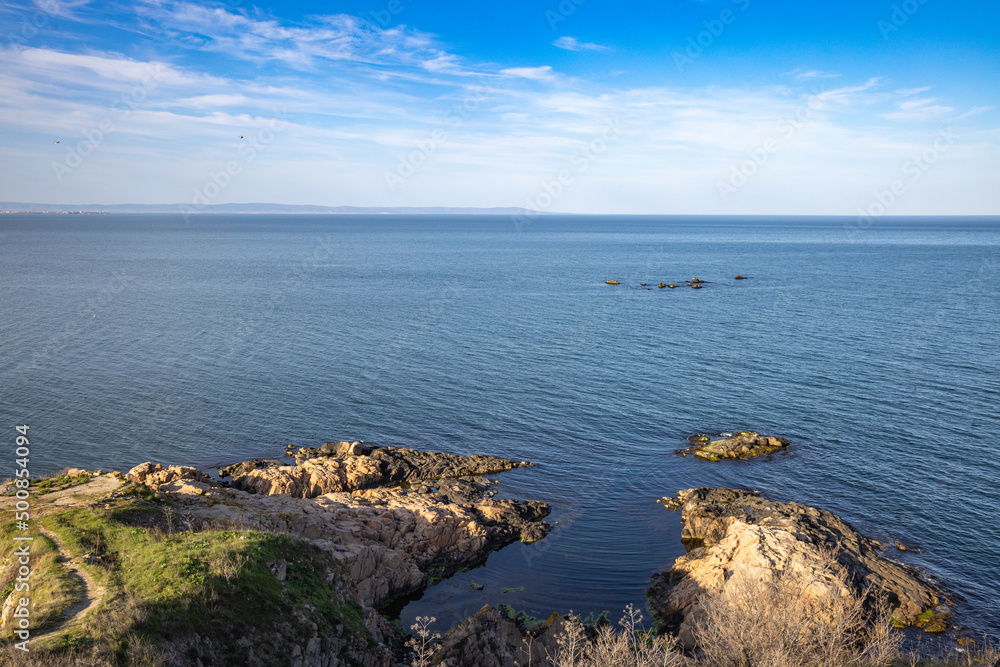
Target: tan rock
(734,535)
(154,474)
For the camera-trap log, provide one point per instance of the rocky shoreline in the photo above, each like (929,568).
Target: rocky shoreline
(390,520)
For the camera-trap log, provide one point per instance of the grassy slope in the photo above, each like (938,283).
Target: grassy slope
(165,584)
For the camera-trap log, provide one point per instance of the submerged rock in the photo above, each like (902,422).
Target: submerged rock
(743,445)
(731,532)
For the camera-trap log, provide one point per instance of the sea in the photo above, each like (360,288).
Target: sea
(871,345)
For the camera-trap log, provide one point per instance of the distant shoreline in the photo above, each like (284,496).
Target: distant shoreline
(261,208)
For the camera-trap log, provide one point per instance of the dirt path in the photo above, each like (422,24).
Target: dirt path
(93,592)
(77,496)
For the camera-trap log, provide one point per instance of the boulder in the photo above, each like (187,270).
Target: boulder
(612,282)
(733,535)
(662,285)
(155,475)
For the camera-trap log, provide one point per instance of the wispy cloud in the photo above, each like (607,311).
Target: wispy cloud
(919,109)
(808,75)
(844,96)
(256,38)
(573,44)
(543,73)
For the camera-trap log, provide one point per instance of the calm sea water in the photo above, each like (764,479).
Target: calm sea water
(134,338)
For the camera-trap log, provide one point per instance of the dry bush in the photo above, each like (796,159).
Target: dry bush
(773,624)
(983,653)
(227,565)
(423,644)
(631,646)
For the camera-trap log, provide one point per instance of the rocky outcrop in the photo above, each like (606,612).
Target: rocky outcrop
(389,538)
(154,475)
(743,445)
(733,534)
(349,467)
(492,638)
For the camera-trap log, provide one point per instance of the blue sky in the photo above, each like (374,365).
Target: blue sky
(585,106)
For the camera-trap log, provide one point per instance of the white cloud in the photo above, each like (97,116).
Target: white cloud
(919,109)
(844,96)
(806,75)
(305,46)
(573,44)
(543,73)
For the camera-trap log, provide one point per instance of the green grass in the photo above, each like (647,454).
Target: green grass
(51,588)
(164,585)
(59,483)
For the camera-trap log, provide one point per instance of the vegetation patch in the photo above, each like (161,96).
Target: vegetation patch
(164,585)
(58,483)
(52,588)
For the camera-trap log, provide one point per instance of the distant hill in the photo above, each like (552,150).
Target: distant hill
(21,207)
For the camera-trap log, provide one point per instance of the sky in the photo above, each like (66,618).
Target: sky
(873,107)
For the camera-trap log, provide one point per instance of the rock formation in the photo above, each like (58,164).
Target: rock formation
(389,537)
(733,534)
(743,445)
(354,468)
